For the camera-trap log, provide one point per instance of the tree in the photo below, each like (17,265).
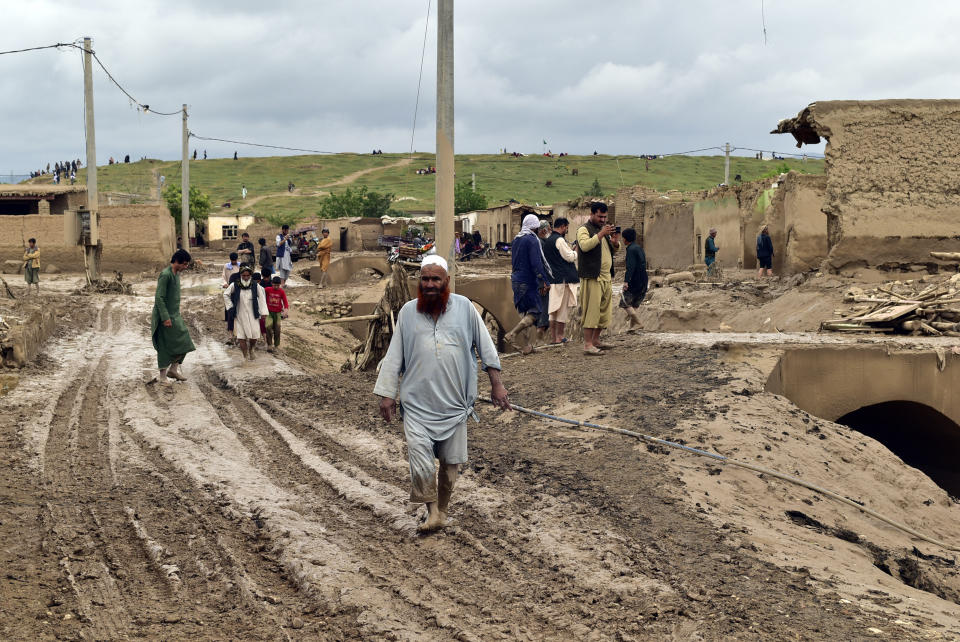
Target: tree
(199,203)
(279,219)
(595,189)
(360,202)
(466,200)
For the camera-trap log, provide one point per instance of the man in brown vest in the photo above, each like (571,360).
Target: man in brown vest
(597,242)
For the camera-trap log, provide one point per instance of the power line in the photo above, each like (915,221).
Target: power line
(292,149)
(142,106)
(74,45)
(56,46)
(423,54)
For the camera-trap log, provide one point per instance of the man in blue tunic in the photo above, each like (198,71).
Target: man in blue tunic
(530,279)
(431,370)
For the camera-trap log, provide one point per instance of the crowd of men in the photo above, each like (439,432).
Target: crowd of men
(61,171)
(550,278)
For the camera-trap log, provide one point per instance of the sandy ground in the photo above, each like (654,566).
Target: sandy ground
(267,500)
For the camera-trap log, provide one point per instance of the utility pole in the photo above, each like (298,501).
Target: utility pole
(443,215)
(185,186)
(473,178)
(91,245)
(726,166)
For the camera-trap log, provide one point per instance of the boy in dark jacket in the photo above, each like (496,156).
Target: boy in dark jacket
(635,280)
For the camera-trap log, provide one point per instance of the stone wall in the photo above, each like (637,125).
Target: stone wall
(135,237)
(892,172)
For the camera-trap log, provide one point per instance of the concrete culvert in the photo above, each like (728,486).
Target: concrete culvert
(919,435)
(905,400)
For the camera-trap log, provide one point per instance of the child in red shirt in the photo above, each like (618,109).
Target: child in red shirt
(277,308)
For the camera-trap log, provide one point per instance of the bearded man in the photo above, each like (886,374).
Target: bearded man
(431,369)
(249,304)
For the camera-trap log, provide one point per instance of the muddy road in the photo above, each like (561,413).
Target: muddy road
(266,500)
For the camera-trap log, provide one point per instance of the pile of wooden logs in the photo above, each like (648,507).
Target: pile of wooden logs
(906,307)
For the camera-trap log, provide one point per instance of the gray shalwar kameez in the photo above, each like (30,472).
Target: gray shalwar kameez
(438,388)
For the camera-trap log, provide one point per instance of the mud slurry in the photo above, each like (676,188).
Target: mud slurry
(255,501)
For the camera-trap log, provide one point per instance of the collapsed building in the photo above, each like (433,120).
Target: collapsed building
(674,226)
(133,235)
(892,190)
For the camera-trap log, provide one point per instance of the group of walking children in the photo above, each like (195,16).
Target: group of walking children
(253,307)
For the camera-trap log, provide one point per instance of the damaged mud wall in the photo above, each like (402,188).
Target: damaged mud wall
(668,238)
(135,237)
(804,225)
(892,175)
(720,211)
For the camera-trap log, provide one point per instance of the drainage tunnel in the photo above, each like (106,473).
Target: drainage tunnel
(905,400)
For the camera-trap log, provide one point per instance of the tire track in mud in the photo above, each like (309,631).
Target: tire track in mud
(459,599)
(79,520)
(141,558)
(534,562)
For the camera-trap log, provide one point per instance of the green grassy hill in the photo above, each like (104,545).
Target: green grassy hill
(500,178)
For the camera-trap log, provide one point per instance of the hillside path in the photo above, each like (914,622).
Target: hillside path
(346,180)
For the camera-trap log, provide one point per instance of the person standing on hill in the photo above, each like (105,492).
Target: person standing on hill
(431,370)
(266,259)
(169,333)
(284,263)
(324,248)
(764,252)
(597,242)
(31,265)
(243,191)
(529,279)
(562,260)
(635,280)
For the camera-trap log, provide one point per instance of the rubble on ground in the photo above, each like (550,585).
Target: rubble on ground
(929,306)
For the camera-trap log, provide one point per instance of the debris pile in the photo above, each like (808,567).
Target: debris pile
(103,286)
(907,307)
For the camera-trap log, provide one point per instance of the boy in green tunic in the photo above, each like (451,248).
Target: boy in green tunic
(168,329)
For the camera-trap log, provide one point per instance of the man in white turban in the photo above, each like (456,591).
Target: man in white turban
(431,370)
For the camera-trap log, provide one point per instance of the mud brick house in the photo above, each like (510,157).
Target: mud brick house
(135,237)
(892,191)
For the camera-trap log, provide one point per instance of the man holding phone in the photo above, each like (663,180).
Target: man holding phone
(597,242)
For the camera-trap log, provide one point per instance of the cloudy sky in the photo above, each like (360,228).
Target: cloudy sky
(624,77)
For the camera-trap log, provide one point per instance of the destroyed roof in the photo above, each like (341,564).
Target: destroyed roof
(31,190)
(809,125)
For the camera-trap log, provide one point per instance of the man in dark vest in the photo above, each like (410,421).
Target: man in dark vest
(597,242)
(565,283)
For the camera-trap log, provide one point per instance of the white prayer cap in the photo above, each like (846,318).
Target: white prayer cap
(434,259)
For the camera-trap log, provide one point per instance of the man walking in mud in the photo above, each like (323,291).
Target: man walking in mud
(171,339)
(431,370)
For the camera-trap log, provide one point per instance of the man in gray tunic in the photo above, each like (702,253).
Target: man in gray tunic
(431,369)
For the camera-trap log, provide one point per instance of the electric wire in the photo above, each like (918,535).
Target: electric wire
(423,53)
(292,149)
(741,464)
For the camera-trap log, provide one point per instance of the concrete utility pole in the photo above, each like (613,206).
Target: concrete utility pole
(444,200)
(726,166)
(473,178)
(185,186)
(91,246)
